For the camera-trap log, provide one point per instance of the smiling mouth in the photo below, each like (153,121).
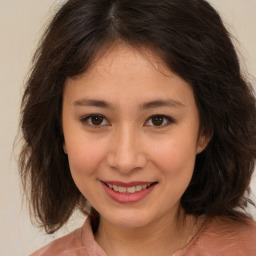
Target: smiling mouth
(130,189)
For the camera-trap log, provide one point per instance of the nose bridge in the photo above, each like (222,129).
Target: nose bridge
(126,152)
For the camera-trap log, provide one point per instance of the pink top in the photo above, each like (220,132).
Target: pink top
(215,237)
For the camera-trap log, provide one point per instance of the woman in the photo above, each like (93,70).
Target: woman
(136,113)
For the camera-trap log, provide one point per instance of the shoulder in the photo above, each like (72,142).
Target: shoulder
(224,226)
(69,245)
(222,236)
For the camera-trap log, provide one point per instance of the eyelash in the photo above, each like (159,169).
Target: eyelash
(168,120)
(88,121)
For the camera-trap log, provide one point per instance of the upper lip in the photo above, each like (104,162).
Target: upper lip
(127,184)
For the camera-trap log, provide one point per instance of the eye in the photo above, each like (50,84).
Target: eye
(159,121)
(95,120)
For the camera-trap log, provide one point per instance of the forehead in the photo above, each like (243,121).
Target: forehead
(120,57)
(124,71)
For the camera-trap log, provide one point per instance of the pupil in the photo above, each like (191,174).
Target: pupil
(158,120)
(97,120)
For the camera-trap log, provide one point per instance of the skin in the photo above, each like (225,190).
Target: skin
(127,145)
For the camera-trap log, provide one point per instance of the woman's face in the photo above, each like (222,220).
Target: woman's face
(131,130)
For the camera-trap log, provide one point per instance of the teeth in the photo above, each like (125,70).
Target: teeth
(129,190)
(144,186)
(138,188)
(121,189)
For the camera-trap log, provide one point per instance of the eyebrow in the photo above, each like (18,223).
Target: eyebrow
(147,105)
(162,103)
(92,102)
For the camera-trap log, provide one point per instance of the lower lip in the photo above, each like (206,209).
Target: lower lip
(125,198)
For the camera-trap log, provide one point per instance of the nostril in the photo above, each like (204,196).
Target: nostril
(126,163)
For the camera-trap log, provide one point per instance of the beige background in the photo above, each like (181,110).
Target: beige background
(21,23)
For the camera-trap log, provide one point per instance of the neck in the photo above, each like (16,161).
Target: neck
(161,237)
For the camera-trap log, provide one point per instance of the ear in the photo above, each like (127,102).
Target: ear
(202,141)
(64,147)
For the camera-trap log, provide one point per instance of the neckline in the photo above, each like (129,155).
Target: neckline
(198,229)
(94,249)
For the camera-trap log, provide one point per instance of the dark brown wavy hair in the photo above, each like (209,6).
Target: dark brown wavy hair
(189,36)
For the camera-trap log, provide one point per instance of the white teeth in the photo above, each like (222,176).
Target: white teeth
(138,188)
(121,189)
(144,186)
(129,190)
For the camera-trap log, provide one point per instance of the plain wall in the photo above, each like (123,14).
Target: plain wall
(21,24)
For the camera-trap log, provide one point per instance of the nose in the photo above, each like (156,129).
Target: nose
(126,152)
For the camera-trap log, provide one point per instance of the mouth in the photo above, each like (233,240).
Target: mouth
(131,192)
(128,188)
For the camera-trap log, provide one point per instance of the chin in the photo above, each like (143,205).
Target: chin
(130,223)
(129,219)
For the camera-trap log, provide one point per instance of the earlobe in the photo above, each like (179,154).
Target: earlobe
(203,141)
(65,148)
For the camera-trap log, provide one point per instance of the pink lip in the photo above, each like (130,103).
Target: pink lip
(125,198)
(129,184)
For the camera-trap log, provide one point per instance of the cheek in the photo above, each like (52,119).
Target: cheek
(176,157)
(84,161)
(84,157)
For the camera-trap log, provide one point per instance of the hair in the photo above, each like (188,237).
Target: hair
(189,36)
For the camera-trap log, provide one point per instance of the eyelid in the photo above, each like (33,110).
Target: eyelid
(167,118)
(85,121)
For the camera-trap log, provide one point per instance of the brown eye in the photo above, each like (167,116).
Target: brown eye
(159,121)
(95,120)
